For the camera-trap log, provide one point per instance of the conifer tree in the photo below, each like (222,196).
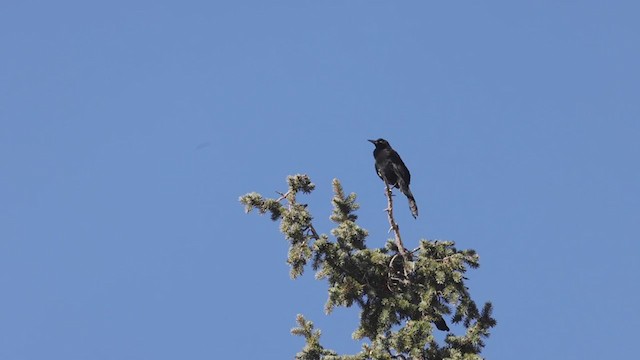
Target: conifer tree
(402,294)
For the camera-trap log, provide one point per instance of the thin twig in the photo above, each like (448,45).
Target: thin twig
(314,232)
(390,274)
(282,196)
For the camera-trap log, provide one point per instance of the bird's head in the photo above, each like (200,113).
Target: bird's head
(380,143)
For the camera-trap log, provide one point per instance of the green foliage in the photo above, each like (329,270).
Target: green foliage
(398,307)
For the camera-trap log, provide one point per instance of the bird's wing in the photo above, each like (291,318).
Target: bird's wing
(400,169)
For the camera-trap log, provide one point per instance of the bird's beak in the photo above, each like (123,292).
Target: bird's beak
(372,141)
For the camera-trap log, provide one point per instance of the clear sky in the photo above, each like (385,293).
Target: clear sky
(128,129)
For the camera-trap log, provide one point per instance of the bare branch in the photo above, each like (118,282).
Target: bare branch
(394,225)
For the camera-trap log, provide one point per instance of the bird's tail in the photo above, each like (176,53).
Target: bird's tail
(413,207)
(412,202)
(441,324)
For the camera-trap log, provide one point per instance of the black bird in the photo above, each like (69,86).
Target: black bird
(393,171)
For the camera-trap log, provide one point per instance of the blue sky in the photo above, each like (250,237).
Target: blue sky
(129,129)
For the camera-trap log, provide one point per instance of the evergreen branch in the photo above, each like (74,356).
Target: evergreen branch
(401,293)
